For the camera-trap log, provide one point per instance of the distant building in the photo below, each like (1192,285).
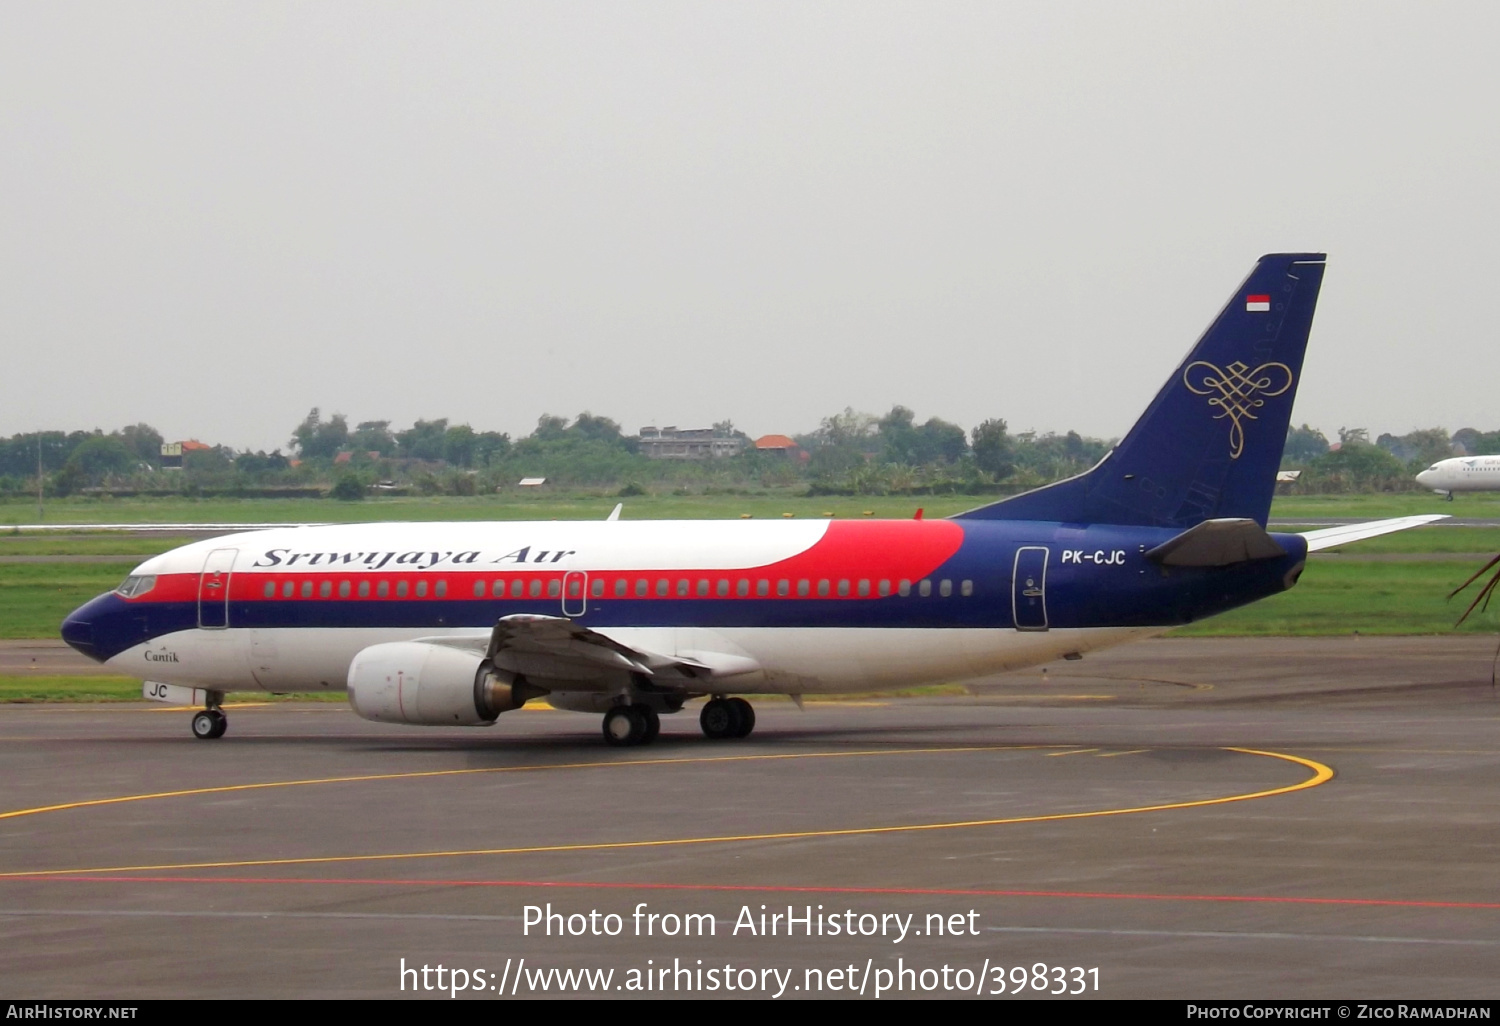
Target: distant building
(782,445)
(671,443)
(172,452)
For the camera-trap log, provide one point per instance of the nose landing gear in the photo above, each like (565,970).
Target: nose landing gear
(727,717)
(211,722)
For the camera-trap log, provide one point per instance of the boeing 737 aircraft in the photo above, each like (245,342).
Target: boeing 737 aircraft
(455,623)
(1462,474)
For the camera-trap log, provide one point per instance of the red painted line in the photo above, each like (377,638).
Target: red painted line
(1270,899)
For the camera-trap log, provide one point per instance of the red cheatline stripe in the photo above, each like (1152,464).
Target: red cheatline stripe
(1271,899)
(1257,299)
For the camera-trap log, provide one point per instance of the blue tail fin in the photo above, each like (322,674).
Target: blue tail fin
(1210,443)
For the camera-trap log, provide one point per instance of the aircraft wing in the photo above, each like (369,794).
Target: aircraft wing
(1328,537)
(556,648)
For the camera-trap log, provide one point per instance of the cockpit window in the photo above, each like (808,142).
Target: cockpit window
(134,587)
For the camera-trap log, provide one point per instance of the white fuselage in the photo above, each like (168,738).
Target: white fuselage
(1462,474)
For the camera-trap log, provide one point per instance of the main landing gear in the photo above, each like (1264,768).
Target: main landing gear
(627,725)
(727,717)
(211,722)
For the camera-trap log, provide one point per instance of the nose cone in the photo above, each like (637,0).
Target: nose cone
(98,628)
(1425,478)
(78,631)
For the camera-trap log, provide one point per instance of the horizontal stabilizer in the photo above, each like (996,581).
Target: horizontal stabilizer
(1217,543)
(1328,537)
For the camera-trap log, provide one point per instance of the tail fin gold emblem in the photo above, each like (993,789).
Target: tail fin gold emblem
(1237,391)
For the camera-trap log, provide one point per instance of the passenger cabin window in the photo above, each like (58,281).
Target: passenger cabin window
(783,587)
(703,589)
(742,587)
(401,589)
(762,588)
(307,589)
(554,589)
(344,589)
(442,588)
(497,589)
(270,591)
(383,589)
(663,588)
(286,589)
(925,588)
(641,588)
(823,588)
(904,589)
(598,587)
(723,588)
(966,589)
(517,588)
(946,588)
(536,588)
(620,587)
(844,588)
(325,590)
(421,589)
(364,589)
(479,589)
(803,588)
(682,587)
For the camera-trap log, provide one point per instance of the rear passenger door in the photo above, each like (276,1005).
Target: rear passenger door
(1029,588)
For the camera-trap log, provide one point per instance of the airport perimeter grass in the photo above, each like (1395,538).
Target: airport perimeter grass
(34,597)
(48,688)
(53,688)
(580,505)
(595,505)
(1364,598)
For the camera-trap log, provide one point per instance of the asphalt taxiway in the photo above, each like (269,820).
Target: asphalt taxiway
(1193,818)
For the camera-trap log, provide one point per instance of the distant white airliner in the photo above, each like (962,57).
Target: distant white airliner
(1462,474)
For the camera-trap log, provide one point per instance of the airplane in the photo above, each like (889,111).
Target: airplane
(453,624)
(1462,474)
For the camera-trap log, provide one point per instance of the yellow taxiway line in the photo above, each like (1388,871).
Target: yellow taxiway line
(1321,774)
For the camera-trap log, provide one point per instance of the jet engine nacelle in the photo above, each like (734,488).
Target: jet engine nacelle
(432,685)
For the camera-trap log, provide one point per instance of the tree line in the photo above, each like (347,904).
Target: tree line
(850,453)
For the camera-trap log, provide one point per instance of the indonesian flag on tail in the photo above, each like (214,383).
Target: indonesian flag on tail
(1257,304)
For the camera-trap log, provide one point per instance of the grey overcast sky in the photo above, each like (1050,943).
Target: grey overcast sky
(216,216)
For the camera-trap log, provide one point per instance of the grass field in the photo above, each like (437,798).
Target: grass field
(1364,598)
(541,506)
(584,505)
(34,597)
(45,688)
